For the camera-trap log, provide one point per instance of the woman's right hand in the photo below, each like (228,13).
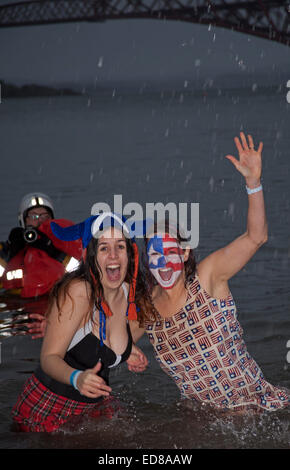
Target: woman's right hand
(91,385)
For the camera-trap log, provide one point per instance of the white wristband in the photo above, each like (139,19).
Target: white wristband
(254,190)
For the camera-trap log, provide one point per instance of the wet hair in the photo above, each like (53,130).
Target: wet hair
(88,271)
(147,281)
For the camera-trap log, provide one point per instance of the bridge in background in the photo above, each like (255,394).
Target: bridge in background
(268,19)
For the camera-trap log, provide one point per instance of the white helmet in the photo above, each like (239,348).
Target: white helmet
(33,200)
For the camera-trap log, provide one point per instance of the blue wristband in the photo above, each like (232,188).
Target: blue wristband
(73,378)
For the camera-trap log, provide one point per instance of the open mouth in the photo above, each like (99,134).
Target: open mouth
(113,272)
(165,274)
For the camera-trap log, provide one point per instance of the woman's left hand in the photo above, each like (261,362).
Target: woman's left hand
(137,361)
(250,160)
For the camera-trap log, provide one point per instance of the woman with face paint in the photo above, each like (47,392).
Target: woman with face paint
(87,330)
(189,314)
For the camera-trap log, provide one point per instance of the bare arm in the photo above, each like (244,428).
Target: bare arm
(136,331)
(221,265)
(137,362)
(59,333)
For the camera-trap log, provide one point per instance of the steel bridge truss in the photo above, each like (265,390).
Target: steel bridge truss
(263,18)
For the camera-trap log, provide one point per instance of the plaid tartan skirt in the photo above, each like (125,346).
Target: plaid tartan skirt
(40,410)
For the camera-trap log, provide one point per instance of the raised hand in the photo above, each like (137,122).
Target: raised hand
(249,163)
(91,385)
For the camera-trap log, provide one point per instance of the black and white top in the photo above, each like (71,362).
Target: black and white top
(83,353)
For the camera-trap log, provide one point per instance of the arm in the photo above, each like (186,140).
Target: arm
(13,245)
(60,330)
(136,331)
(221,265)
(137,361)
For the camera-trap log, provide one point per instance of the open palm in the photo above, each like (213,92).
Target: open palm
(249,163)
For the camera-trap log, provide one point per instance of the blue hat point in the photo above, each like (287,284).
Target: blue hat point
(83,230)
(74,232)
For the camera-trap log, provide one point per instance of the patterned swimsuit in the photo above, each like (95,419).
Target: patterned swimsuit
(202,350)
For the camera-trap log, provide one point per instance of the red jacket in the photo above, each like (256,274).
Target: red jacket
(40,271)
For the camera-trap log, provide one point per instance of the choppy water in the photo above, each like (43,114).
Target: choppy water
(166,144)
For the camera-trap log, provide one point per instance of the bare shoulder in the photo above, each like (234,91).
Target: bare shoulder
(73,300)
(216,288)
(204,270)
(79,288)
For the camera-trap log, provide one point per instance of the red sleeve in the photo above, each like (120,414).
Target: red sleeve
(73,248)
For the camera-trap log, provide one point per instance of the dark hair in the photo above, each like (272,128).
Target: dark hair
(88,272)
(147,281)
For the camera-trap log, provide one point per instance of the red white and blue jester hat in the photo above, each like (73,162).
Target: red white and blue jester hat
(85,231)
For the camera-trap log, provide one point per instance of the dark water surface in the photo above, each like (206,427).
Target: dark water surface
(163,145)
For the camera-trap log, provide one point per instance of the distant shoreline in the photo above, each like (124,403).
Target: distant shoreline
(9,90)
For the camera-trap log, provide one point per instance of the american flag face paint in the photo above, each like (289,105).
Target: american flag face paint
(166,259)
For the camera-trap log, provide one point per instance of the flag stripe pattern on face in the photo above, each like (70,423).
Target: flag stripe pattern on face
(165,252)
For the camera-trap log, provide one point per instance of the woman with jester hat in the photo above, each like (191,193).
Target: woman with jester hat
(189,314)
(87,329)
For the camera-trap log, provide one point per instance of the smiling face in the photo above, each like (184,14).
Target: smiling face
(166,259)
(112,258)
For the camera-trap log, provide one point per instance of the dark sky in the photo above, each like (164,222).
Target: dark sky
(82,53)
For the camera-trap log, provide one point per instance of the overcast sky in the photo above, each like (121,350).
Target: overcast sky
(82,53)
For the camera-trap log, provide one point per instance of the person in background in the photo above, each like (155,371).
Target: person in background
(33,259)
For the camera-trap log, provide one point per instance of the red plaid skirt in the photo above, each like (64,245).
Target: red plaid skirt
(40,410)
